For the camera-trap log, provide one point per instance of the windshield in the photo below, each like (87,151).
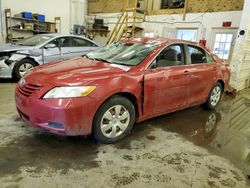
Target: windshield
(34,41)
(130,54)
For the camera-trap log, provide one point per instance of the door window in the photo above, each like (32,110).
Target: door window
(222,45)
(64,42)
(78,42)
(197,55)
(55,42)
(171,56)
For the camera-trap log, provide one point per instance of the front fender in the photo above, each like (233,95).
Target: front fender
(17,57)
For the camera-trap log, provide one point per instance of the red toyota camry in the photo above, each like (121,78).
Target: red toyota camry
(105,92)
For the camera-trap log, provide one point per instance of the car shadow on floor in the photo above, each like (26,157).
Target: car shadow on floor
(7,80)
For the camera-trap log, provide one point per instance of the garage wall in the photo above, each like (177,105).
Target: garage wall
(108,6)
(195,6)
(166,25)
(240,64)
(70,11)
(154,6)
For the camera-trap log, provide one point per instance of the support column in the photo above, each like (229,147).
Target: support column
(240,63)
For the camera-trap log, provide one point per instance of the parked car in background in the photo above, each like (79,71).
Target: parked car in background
(108,90)
(18,58)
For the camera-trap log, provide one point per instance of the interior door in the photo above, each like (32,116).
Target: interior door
(222,43)
(166,86)
(202,73)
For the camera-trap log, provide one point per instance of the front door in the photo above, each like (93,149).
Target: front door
(166,86)
(52,54)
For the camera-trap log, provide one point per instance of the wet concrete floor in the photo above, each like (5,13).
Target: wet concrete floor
(189,148)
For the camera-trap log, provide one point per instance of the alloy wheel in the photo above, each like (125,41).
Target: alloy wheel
(24,68)
(215,96)
(115,121)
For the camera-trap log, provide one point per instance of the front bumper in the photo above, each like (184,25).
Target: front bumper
(5,70)
(73,116)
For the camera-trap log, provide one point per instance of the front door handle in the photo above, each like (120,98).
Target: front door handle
(186,72)
(214,68)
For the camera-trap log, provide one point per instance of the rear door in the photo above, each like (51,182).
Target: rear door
(202,73)
(166,87)
(81,46)
(76,46)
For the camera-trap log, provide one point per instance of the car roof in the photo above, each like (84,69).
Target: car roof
(159,40)
(55,35)
(61,35)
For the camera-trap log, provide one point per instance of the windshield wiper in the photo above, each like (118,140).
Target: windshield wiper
(88,57)
(103,60)
(124,64)
(97,59)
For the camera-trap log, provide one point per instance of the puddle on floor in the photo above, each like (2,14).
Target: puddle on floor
(224,131)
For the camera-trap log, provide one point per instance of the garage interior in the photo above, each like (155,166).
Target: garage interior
(193,147)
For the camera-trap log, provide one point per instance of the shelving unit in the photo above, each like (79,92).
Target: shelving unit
(39,26)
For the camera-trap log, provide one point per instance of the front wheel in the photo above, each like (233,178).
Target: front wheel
(22,67)
(114,120)
(214,97)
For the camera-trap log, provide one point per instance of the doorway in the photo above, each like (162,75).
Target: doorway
(223,42)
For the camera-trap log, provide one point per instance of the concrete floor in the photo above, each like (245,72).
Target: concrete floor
(190,148)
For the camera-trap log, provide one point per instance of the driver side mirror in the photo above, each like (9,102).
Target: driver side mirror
(51,45)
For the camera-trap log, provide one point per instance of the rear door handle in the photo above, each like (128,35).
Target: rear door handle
(186,72)
(214,68)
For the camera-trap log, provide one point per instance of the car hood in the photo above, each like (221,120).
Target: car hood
(13,47)
(75,72)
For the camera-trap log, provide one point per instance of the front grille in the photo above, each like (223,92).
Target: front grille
(29,89)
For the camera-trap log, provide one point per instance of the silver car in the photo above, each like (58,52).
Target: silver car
(17,59)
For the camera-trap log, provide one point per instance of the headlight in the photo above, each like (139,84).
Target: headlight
(4,58)
(68,92)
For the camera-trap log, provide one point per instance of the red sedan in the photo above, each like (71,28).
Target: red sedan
(107,91)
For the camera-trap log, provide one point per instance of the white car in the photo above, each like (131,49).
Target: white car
(18,58)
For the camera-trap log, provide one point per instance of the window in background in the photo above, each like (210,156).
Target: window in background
(150,34)
(172,4)
(187,34)
(222,45)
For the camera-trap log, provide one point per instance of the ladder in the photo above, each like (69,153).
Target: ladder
(126,25)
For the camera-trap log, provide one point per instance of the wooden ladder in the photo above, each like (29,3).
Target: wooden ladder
(126,25)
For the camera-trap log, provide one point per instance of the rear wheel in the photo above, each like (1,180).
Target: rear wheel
(214,97)
(22,67)
(114,120)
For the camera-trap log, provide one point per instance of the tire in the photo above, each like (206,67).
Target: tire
(214,97)
(114,120)
(22,67)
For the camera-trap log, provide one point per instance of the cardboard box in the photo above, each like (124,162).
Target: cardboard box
(28,26)
(52,28)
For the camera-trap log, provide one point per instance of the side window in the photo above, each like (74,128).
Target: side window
(78,42)
(197,55)
(171,56)
(55,41)
(210,59)
(64,42)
